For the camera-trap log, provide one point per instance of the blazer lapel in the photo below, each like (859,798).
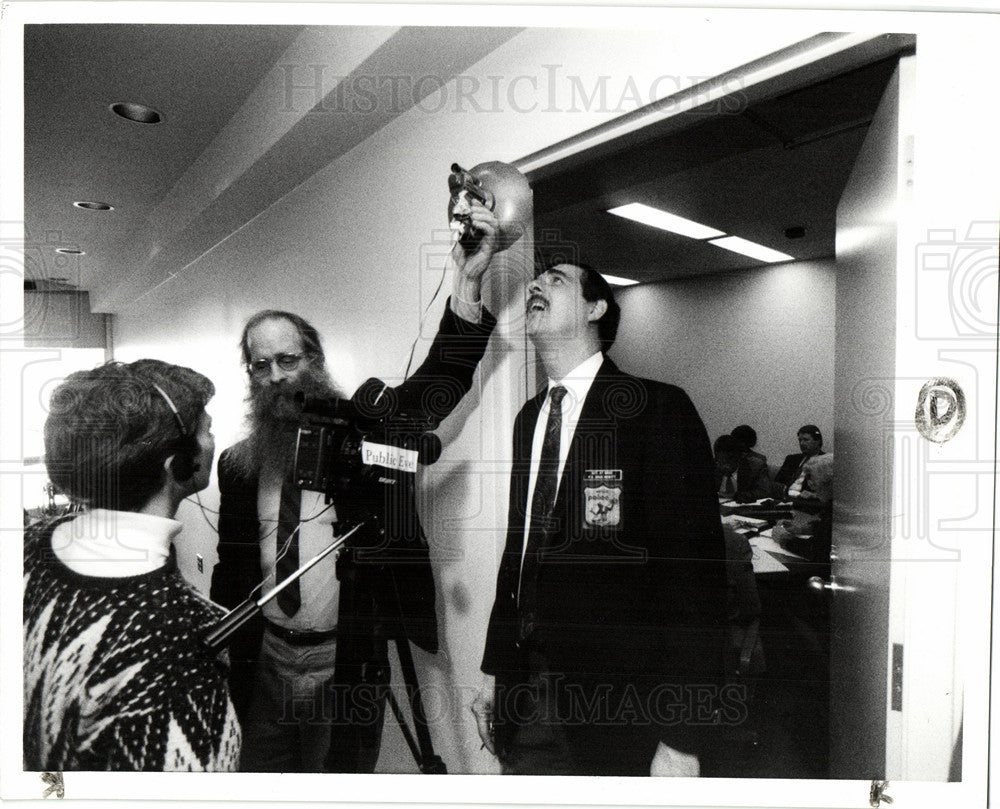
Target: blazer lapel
(521,467)
(526,428)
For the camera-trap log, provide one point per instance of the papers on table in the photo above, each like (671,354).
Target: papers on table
(763,562)
(747,526)
(763,542)
(739,521)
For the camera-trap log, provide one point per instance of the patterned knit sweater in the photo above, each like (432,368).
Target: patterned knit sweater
(114,678)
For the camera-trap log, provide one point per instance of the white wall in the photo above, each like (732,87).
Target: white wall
(751,347)
(357,249)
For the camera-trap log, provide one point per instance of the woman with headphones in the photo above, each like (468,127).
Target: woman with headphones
(114,675)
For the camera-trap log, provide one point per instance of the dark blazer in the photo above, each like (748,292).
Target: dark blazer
(375,574)
(752,480)
(789,470)
(630,615)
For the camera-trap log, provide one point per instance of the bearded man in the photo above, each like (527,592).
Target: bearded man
(309,676)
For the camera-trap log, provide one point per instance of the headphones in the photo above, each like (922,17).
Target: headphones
(183,464)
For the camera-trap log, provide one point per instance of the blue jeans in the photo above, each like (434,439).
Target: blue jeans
(288,726)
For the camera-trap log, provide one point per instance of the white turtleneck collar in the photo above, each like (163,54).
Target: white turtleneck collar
(114,544)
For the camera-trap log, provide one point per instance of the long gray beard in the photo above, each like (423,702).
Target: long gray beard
(272,423)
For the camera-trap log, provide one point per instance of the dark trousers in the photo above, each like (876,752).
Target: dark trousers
(534,739)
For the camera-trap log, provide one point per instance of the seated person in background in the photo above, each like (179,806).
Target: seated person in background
(748,435)
(787,481)
(738,474)
(808,533)
(114,674)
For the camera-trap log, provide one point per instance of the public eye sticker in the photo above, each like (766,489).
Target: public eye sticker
(602,491)
(390,457)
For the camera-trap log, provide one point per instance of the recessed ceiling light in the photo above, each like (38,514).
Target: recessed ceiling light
(94,206)
(616,281)
(69,251)
(751,249)
(656,218)
(138,113)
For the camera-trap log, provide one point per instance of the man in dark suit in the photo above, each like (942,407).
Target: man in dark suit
(738,474)
(811,444)
(607,634)
(309,675)
(748,435)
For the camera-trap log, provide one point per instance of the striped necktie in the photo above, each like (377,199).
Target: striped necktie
(543,500)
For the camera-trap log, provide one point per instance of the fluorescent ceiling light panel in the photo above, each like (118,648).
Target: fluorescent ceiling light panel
(656,218)
(615,280)
(752,249)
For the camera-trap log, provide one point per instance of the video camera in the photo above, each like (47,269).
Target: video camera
(362,451)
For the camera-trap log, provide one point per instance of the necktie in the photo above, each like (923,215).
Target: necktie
(800,478)
(290,598)
(543,500)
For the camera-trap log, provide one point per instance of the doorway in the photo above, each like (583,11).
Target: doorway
(747,340)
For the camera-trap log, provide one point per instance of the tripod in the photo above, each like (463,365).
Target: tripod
(421,749)
(393,629)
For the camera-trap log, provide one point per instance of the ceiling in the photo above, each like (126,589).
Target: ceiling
(76,149)
(181,186)
(754,172)
(237,132)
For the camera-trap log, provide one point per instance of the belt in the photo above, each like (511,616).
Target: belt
(294,637)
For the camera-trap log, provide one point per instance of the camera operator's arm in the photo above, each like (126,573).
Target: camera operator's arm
(444,377)
(470,264)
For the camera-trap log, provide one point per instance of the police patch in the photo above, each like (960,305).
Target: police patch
(602,490)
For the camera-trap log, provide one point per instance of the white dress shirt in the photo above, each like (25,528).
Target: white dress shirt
(577,383)
(318,587)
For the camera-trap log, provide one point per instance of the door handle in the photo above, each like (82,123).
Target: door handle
(822,585)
